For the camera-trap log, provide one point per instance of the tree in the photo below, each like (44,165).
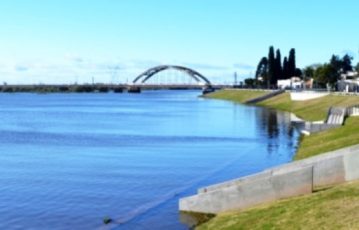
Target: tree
(298,72)
(337,68)
(308,72)
(336,63)
(357,67)
(271,67)
(262,71)
(250,82)
(291,63)
(319,76)
(347,63)
(286,74)
(330,73)
(278,65)
(326,74)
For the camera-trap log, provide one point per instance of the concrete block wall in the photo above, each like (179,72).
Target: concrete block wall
(230,183)
(317,127)
(293,179)
(353,111)
(250,193)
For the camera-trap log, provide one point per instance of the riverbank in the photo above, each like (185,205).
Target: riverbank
(311,110)
(334,208)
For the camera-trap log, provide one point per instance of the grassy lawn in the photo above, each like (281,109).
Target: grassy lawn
(329,140)
(240,96)
(335,208)
(311,110)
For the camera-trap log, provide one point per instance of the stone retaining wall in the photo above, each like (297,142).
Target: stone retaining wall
(293,179)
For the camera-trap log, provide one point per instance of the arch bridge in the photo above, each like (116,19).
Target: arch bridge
(142,78)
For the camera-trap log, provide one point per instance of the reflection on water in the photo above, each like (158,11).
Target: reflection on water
(69,160)
(275,125)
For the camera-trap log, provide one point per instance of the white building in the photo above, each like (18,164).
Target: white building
(349,82)
(291,83)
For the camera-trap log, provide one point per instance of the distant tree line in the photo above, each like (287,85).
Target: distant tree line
(329,73)
(86,88)
(270,69)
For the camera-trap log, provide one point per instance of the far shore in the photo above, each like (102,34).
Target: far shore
(97,88)
(62,88)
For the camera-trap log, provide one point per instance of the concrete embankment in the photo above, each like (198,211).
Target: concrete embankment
(293,179)
(335,118)
(265,97)
(299,177)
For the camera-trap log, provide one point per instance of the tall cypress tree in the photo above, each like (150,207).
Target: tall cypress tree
(285,68)
(291,63)
(347,63)
(278,65)
(262,70)
(271,67)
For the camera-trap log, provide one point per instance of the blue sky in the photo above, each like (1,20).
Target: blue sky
(62,41)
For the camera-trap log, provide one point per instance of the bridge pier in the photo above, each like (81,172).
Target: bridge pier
(208,89)
(117,89)
(134,89)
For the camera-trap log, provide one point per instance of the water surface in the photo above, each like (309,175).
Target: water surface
(69,160)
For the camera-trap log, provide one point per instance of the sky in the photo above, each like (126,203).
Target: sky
(67,41)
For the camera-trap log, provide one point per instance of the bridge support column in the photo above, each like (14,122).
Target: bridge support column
(134,89)
(207,89)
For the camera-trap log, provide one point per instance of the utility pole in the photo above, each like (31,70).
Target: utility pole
(235,78)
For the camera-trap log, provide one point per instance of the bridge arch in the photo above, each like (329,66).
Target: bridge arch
(142,78)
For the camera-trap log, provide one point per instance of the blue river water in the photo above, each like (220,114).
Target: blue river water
(69,160)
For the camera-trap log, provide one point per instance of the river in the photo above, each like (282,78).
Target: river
(69,160)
